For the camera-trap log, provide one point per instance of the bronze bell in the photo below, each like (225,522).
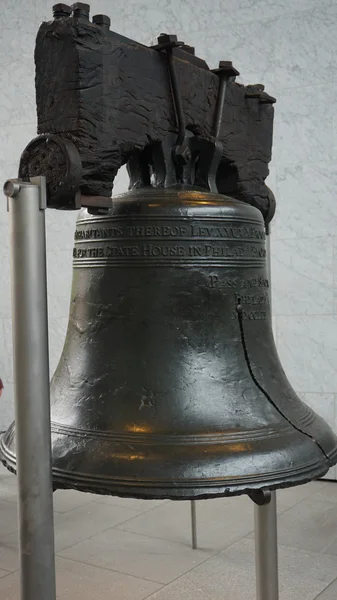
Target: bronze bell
(169,385)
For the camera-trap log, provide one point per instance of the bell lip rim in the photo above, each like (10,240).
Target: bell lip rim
(182,493)
(158,489)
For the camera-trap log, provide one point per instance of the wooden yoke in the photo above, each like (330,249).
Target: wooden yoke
(115,101)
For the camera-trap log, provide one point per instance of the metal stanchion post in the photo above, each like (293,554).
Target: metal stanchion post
(194,525)
(265,518)
(266,559)
(26,204)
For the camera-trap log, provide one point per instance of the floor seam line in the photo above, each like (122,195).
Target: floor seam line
(87,564)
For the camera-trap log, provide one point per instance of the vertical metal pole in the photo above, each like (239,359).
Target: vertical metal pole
(31,376)
(194,524)
(265,518)
(266,559)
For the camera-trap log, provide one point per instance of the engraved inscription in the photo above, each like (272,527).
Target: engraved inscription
(251,298)
(206,241)
(156,250)
(254,315)
(256,282)
(215,250)
(217,281)
(240,232)
(251,315)
(98,234)
(106,251)
(213,279)
(157,231)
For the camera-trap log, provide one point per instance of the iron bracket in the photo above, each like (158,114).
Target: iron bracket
(260,497)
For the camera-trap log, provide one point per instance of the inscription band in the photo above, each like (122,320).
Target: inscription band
(173,243)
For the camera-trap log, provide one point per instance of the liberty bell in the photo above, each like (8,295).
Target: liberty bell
(169,384)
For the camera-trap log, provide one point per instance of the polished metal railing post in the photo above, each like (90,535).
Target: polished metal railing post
(26,205)
(194,524)
(265,519)
(266,556)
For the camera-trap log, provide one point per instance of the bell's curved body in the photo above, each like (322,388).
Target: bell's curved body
(169,385)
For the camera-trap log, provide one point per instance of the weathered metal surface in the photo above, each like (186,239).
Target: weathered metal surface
(169,385)
(113,97)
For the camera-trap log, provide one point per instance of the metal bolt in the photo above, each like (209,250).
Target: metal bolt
(61,10)
(254,91)
(225,64)
(261,497)
(102,20)
(11,188)
(226,67)
(81,10)
(182,155)
(165,38)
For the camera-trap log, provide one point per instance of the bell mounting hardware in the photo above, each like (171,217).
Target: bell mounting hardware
(104,100)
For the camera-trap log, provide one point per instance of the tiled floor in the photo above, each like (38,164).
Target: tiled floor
(136,550)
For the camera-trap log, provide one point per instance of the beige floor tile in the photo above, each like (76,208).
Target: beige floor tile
(220,522)
(9,557)
(79,524)
(10,586)
(10,478)
(8,488)
(8,518)
(330,593)
(3,471)
(311,525)
(331,546)
(197,586)
(86,521)
(3,573)
(75,581)
(158,560)
(231,575)
(65,500)
(328,492)
(290,496)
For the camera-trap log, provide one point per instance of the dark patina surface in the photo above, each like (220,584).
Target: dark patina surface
(169,385)
(112,97)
